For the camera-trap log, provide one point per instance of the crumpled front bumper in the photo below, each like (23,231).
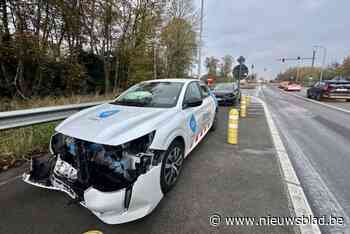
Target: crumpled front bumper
(110,206)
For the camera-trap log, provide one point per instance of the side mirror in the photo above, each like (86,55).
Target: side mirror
(194,102)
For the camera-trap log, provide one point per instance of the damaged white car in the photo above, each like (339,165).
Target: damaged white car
(120,158)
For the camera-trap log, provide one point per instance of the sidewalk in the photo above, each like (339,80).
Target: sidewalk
(246,178)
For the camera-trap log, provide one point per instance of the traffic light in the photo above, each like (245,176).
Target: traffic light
(283,60)
(299,58)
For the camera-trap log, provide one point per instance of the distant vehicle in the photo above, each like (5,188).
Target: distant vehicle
(227,93)
(332,89)
(293,87)
(283,84)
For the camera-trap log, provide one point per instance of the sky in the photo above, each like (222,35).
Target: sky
(264,31)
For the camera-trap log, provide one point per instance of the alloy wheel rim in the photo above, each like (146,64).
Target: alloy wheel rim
(173,165)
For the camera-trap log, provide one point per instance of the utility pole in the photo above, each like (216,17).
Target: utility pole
(200,41)
(241,61)
(313,58)
(323,61)
(298,69)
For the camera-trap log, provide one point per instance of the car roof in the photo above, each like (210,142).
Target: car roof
(174,80)
(337,81)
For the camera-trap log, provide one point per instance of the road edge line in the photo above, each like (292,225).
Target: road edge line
(317,102)
(299,204)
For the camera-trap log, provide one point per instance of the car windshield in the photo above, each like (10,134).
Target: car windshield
(224,87)
(151,94)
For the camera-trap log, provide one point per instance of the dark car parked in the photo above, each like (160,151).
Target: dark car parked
(227,93)
(332,89)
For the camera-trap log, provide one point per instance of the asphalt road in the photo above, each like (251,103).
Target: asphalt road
(241,180)
(337,103)
(317,139)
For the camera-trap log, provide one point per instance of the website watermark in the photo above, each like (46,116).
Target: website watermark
(216,220)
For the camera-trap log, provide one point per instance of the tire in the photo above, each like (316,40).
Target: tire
(347,100)
(171,166)
(215,123)
(308,95)
(318,97)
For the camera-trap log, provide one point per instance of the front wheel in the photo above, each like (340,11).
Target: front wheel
(308,95)
(171,166)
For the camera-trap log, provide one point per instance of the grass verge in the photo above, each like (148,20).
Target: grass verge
(17,145)
(35,102)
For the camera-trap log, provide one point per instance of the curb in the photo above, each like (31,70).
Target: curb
(299,204)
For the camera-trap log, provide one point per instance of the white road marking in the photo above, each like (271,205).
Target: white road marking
(296,193)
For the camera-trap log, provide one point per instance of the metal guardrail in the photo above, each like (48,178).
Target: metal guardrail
(23,118)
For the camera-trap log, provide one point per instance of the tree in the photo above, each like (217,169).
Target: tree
(345,67)
(60,47)
(211,64)
(179,40)
(227,65)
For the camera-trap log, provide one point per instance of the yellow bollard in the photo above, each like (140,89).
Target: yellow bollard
(243,111)
(93,232)
(248,100)
(232,134)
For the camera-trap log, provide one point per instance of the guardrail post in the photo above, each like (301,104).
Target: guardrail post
(243,110)
(232,134)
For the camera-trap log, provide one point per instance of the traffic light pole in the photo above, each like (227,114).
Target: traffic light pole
(239,78)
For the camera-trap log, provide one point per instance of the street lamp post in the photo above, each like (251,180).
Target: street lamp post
(323,61)
(200,41)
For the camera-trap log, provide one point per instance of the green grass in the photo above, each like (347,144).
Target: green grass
(21,143)
(7,104)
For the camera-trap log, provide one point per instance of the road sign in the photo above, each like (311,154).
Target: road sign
(244,71)
(241,60)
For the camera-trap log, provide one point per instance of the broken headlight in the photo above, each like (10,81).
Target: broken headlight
(105,167)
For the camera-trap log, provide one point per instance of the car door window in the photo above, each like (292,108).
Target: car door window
(205,91)
(192,92)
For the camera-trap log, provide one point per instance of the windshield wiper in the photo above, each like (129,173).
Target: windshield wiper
(130,103)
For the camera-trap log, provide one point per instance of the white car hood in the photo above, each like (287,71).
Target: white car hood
(114,125)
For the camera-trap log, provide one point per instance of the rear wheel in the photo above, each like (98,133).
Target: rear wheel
(347,100)
(171,166)
(318,97)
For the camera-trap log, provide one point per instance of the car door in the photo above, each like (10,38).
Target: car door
(209,107)
(193,115)
(313,89)
(319,89)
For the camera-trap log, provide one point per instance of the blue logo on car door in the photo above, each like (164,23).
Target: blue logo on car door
(193,124)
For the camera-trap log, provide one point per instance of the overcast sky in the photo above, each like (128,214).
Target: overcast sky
(265,30)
